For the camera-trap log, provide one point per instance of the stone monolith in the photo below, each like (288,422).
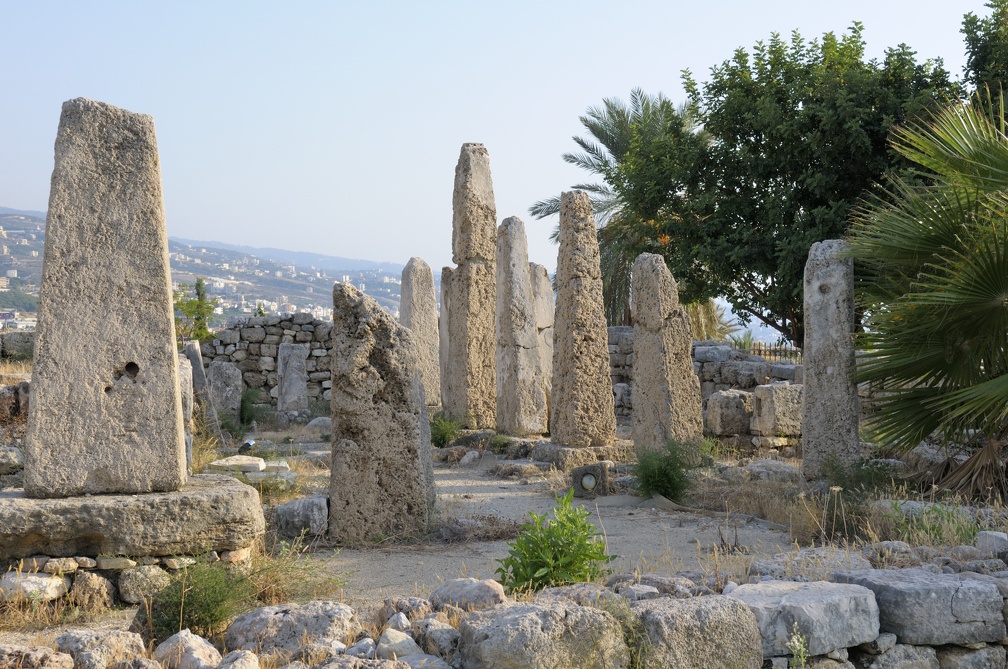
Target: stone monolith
(521,397)
(382,480)
(471,396)
(292,377)
(667,405)
(443,344)
(418,312)
(224,390)
(542,295)
(105,413)
(829,405)
(185,372)
(582,410)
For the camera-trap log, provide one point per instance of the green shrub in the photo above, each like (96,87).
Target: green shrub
(566,549)
(251,409)
(443,430)
(203,598)
(666,471)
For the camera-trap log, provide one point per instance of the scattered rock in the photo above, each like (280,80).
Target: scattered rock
(239,659)
(288,626)
(21,587)
(185,650)
(138,584)
(468,594)
(92,592)
(101,650)
(11,460)
(18,657)
(394,644)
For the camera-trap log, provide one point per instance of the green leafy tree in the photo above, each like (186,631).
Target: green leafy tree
(192,314)
(987,47)
(798,134)
(934,262)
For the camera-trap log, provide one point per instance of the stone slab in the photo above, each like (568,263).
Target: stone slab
(105,413)
(566,458)
(211,512)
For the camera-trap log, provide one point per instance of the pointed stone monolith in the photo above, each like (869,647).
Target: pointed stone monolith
(667,405)
(582,410)
(830,404)
(471,394)
(521,398)
(418,312)
(105,413)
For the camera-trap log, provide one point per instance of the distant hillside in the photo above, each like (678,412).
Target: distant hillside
(23,212)
(331,264)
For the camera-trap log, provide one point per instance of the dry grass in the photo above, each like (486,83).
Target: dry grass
(14,371)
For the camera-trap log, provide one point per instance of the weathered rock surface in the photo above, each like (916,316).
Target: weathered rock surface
(287,627)
(831,616)
(954,657)
(138,584)
(309,514)
(92,592)
(582,412)
(436,637)
(468,594)
(382,481)
(186,650)
(105,413)
(903,656)
(818,563)
(729,412)
(292,377)
(212,512)
(927,609)
(29,587)
(395,644)
(11,460)
(666,391)
(545,636)
(683,632)
(521,396)
(100,649)
(542,293)
(418,312)
(19,657)
(830,404)
(239,659)
(224,390)
(777,410)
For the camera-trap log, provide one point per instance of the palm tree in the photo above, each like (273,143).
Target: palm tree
(935,291)
(612,128)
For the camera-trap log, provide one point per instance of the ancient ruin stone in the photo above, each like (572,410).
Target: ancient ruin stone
(582,409)
(185,372)
(777,410)
(443,347)
(542,294)
(105,415)
(292,381)
(382,481)
(471,395)
(521,400)
(418,312)
(830,404)
(666,390)
(224,390)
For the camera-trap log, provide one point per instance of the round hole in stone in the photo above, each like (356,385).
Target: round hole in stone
(825,288)
(108,389)
(588,481)
(132,369)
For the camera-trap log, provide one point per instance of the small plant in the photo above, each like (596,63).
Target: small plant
(250,409)
(203,598)
(666,471)
(798,645)
(443,430)
(567,549)
(934,525)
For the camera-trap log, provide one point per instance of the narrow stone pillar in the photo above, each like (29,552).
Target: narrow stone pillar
(185,372)
(666,390)
(105,413)
(582,402)
(224,390)
(830,404)
(521,399)
(382,480)
(418,312)
(542,293)
(444,346)
(292,377)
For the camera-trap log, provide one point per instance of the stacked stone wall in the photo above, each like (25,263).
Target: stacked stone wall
(253,345)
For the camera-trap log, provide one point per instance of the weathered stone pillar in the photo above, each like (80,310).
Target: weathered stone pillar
(444,347)
(471,396)
(666,391)
(382,480)
(542,293)
(224,390)
(582,402)
(418,312)
(292,377)
(105,413)
(185,372)
(521,399)
(830,404)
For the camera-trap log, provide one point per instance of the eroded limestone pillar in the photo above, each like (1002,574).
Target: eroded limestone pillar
(667,405)
(582,412)
(521,397)
(292,377)
(105,413)
(829,405)
(418,312)
(382,479)
(472,391)
(542,292)
(443,345)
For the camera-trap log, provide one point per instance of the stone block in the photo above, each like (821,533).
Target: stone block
(418,312)
(309,514)
(713,354)
(105,413)
(777,410)
(729,412)
(292,375)
(224,389)
(592,480)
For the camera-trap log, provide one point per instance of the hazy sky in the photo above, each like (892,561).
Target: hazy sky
(335,126)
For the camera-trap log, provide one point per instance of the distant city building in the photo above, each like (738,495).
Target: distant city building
(11,273)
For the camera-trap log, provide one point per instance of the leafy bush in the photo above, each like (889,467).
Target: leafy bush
(566,549)
(250,409)
(203,598)
(443,430)
(666,471)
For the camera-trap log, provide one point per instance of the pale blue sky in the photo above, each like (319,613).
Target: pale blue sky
(335,127)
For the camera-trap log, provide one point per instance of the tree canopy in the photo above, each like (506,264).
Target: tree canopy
(192,314)
(795,133)
(987,47)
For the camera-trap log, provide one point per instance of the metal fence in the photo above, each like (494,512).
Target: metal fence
(775,352)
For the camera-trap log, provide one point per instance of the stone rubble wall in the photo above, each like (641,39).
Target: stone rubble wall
(253,344)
